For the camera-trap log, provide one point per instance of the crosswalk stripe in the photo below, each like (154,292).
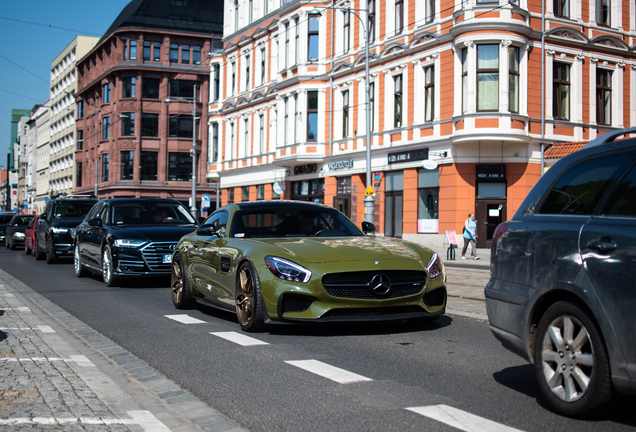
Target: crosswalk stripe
(185,319)
(327,371)
(460,419)
(238,338)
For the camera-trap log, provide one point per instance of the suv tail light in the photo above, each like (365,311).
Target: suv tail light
(499,231)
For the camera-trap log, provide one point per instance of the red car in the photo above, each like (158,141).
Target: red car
(29,236)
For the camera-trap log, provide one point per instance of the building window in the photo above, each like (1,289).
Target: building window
(233,80)
(287,47)
(148,165)
(513,79)
(263,66)
(245,193)
(156,52)
(371,20)
(312,116)
(561,8)
(215,142)
(296,119)
(106,93)
(428,201)
(603,12)
(147,46)
(246,137)
(78,175)
(185,54)
(261,133)
(286,120)
(174,53)
(430,11)
(133,50)
(106,128)
(399,16)
(250,8)
(150,88)
(196,54)
(149,124)
(260,192)
(487,77)
(247,72)
(236,15)
(397,101)
(232,141)
(346,35)
(80,109)
(603,97)
(345,113)
(216,84)
(230,199)
(127,165)
(429,93)
(80,139)
(180,126)
(296,41)
(561,91)
(464,60)
(182,89)
(128,86)
(125,49)
(105,167)
(313,40)
(127,123)
(180,167)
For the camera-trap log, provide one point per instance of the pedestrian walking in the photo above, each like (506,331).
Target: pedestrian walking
(470,236)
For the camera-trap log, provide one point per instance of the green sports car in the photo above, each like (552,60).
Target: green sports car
(292,261)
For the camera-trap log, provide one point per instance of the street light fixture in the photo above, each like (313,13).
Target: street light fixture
(193,199)
(315,14)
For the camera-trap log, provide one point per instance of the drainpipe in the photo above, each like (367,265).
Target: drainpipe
(333,19)
(542,82)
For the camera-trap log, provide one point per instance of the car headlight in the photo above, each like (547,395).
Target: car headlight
(434,266)
(19,234)
(287,270)
(126,243)
(57,230)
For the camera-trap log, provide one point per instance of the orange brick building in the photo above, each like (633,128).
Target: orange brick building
(459,120)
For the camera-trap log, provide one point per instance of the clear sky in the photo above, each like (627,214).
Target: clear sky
(34,34)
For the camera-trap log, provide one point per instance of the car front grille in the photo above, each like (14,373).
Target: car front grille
(154,252)
(372,312)
(358,285)
(295,303)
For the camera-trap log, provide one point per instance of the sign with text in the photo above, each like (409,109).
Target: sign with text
(408,156)
(491,172)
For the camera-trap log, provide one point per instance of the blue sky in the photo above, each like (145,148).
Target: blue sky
(34,33)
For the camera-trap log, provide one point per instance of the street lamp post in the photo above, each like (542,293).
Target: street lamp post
(193,151)
(368,199)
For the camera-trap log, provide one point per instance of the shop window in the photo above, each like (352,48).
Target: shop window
(428,201)
(260,192)
(309,190)
(491,190)
(230,198)
(245,193)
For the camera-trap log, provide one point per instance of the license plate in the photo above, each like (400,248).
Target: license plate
(167,259)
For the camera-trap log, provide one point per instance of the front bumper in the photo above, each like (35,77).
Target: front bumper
(152,259)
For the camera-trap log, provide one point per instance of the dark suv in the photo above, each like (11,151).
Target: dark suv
(55,230)
(562,292)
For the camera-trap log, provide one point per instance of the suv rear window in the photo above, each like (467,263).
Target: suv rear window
(622,201)
(72,209)
(580,189)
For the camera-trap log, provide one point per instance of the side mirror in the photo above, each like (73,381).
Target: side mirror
(43,216)
(368,227)
(96,222)
(208,230)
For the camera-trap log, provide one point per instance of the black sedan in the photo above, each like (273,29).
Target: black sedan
(5,218)
(130,237)
(15,230)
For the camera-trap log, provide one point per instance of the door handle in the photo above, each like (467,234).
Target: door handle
(603,244)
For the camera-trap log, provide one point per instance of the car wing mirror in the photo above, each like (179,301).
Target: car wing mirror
(96,222)
(43,216)
(208,230)
(368,227)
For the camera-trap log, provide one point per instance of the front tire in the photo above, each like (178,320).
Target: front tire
(50,252)
(39,255)
(181,296)
(571,362)
(248,300)
(107,268)
(77,263)
(27,250)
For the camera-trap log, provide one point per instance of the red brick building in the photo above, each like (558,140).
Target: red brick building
(130,142)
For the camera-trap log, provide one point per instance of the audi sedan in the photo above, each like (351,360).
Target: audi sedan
(15,230)
(130,238)
(293,262)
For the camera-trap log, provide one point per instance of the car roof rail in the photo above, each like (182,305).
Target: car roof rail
(67,196)
(609,137)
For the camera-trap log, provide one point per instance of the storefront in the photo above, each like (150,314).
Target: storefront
(490,201)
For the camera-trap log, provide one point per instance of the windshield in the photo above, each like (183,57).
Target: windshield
(22,220)
(4,219)
(72,209)
(136,213)
(292,222)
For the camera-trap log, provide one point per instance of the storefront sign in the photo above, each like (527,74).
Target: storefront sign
(427,225)
(408,156)
(491,172)
(305,169)
(340,165)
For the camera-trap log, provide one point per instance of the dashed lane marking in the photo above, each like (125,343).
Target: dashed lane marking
(461,419)
(185,319)
(238,338)
(327,371)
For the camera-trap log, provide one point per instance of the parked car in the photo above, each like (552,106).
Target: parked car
(562,292)
(15,230)
(130,237)
(56,226)
(29,236)
(290,261)
(4,220)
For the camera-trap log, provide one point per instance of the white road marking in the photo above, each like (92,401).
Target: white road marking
(185,319)
(461,419)
(145,419)
(238,338)
(327,371)
(80,360)
(42,328)
(45,329)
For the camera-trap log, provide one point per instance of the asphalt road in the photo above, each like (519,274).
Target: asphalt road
(455,362)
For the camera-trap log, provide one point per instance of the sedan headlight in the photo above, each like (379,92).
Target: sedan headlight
(126,243)
(287,270)
(434,266)
(57,230)
(19,234)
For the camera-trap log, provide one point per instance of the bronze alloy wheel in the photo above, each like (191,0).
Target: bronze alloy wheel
(181,297)
(248,310)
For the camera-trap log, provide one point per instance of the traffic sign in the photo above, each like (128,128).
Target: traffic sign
(370,191)
(206,197)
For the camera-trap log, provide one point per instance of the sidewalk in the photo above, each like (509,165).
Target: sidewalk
(56,373)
